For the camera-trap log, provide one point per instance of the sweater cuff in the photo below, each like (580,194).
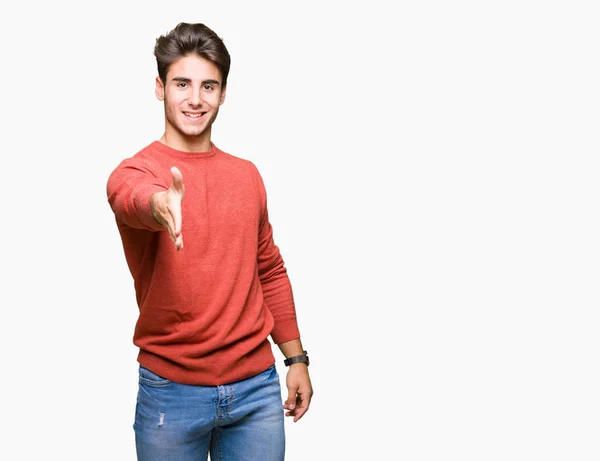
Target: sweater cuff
(141,200)
(285,332)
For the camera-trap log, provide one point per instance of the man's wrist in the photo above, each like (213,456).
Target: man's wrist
(301,358)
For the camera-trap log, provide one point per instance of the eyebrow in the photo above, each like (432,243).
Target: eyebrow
(209,81)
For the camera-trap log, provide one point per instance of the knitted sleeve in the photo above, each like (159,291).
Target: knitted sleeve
(276,286)
(129,188)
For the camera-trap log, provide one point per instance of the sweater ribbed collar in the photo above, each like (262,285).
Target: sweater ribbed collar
(164,149)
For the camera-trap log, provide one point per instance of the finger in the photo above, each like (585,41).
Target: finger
(172,223)
(177,181)
(301,408)
(175,211)
(169,226)
(177,239)
(299,413)
(290,402)
(178,243)
(166,220)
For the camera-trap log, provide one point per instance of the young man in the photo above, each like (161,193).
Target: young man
(210,282)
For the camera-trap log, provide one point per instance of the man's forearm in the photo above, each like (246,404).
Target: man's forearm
(291,348)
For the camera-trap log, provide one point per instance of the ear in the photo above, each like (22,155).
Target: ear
(223,95)
(159,90)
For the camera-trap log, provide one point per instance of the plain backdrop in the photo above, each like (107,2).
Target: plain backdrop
(432,174)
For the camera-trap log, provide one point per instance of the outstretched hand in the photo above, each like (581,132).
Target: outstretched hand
(166,208)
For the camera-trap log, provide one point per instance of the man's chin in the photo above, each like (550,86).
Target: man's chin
(193,132)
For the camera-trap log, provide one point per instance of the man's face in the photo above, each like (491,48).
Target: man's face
(192,95)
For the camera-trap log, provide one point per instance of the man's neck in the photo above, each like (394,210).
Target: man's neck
(200,143)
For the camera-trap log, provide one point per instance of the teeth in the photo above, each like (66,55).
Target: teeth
(192,115)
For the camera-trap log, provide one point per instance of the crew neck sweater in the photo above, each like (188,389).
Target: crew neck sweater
(206,311)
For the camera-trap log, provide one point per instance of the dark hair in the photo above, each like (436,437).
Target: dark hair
(186,39)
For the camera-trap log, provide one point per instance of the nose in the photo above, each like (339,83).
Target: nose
(195,98)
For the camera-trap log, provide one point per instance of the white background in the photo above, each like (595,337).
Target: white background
(432,172)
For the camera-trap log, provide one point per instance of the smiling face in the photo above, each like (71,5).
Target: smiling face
(192,94)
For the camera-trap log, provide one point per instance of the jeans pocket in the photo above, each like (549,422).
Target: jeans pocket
(270,374)
(150,378)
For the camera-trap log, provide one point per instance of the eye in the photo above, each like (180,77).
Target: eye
(181,84)
(208,87)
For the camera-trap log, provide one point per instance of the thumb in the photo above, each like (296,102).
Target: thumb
(177,180)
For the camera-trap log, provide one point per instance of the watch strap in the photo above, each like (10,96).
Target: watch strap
(302,358)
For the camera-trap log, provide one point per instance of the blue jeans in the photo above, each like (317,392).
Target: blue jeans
(235,422)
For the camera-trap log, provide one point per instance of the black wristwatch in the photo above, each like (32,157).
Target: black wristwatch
(303,358)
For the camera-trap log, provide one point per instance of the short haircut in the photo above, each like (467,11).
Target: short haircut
(191,39)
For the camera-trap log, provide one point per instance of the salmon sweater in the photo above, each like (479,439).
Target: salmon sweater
(205,312)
